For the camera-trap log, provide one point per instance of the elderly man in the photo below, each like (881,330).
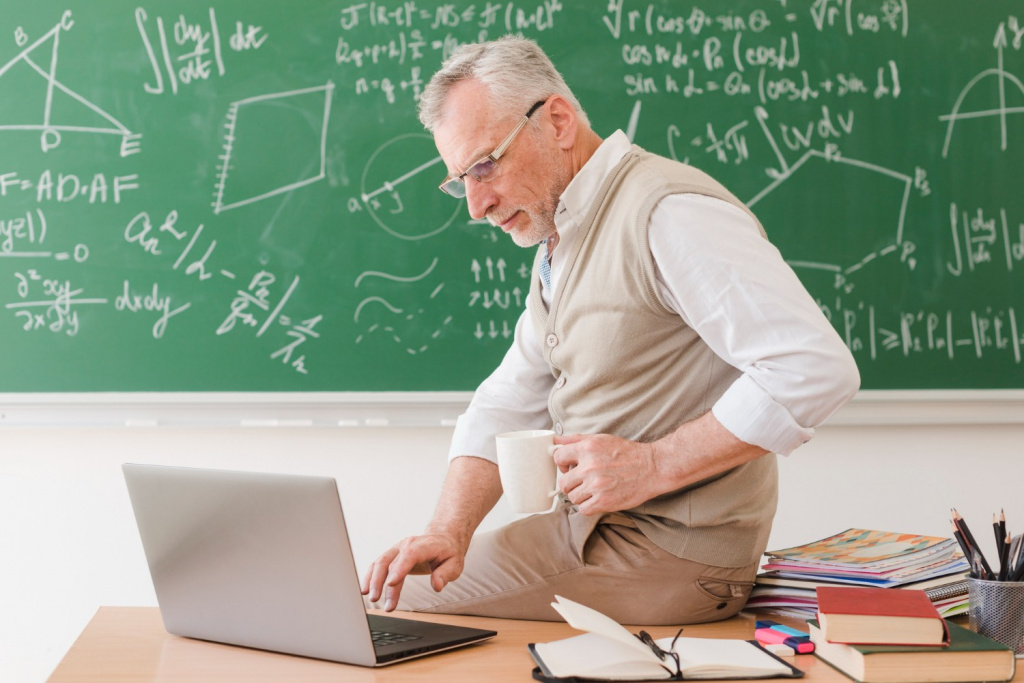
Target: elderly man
(664,339)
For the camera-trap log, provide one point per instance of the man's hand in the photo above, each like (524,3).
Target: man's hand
(471,489)
(603,473)
(434,554)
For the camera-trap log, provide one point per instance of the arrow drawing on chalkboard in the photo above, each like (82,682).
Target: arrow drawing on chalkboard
(78,114)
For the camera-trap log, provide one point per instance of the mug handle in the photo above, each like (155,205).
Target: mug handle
(551,451)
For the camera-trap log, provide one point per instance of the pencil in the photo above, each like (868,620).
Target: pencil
(1004,557)
(998,533)
(976,569)
(960,539)
(961,524)
(1007,541)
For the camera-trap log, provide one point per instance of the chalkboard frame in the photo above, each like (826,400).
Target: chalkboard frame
(389,410)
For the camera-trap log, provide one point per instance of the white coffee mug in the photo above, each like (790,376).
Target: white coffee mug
(527,469)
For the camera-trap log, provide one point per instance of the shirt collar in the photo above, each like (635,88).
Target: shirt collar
(579,195)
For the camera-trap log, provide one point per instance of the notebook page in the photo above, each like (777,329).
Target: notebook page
(720,658)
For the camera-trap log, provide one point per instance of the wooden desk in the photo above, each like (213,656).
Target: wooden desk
(130,644)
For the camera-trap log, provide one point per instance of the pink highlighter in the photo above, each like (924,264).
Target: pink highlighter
(768,635)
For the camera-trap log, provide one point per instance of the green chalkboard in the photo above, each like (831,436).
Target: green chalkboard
(236,196)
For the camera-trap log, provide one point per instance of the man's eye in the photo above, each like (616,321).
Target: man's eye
(482,169)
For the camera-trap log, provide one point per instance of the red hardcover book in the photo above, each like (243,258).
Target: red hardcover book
(879,616)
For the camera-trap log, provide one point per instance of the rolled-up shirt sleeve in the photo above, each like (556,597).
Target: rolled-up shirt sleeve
(512,398)
(734,289)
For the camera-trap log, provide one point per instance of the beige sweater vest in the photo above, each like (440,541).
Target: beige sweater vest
(626,365)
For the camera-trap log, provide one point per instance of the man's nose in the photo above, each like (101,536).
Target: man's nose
(480,198)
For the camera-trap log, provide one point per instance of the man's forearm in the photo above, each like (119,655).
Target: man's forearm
(700,449)
(471,488)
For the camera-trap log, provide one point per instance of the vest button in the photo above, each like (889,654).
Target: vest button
(558,429)
(560,383)
(552,340)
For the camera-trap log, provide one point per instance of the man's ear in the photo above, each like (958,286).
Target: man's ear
(563,120)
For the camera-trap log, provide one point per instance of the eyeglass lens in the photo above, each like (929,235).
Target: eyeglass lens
(486,168)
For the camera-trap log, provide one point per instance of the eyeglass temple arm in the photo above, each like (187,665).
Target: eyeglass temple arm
(497,153)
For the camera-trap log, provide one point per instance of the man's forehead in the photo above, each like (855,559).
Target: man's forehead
(466,132)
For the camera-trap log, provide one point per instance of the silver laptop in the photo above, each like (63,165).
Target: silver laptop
(264,561)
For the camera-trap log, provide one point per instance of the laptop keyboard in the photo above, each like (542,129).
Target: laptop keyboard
(386,638)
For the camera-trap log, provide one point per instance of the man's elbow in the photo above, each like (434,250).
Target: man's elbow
(845,377)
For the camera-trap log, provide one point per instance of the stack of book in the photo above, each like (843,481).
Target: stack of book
(862,557)
(876,635)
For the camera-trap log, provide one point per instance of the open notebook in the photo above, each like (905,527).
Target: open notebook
(609,652)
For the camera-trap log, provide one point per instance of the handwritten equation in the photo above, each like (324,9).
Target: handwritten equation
(247,179)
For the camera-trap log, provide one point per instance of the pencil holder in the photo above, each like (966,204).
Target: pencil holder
(996,610)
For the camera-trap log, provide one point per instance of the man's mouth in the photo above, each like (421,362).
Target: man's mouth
(506,224)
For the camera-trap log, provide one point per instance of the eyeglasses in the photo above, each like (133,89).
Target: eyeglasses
(670,653)
(487,168)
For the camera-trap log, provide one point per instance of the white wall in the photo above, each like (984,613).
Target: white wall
(68,542)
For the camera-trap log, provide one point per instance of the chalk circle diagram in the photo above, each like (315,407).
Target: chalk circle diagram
(30,91)
(273,144)
(398,211)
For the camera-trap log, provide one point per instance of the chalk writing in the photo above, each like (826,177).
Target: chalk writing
(233,181)
(56,311)
(69,187)
(133,302)
(425,34)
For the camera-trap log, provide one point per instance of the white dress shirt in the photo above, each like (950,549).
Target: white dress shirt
(726,282)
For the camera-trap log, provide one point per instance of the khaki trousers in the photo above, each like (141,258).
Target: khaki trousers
(514,572)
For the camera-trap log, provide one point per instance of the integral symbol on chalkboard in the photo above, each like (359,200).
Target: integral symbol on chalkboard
(89,117)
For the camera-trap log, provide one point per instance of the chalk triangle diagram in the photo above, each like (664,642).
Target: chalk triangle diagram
(31,97)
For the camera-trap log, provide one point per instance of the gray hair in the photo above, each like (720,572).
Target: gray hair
(514,69)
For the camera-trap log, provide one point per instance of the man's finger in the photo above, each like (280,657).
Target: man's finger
(565,460)
(378,574)
(391,594)
(364,583)
(568,480)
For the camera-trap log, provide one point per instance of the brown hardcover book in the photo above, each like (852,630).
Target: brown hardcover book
(879,616)
(969,657)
